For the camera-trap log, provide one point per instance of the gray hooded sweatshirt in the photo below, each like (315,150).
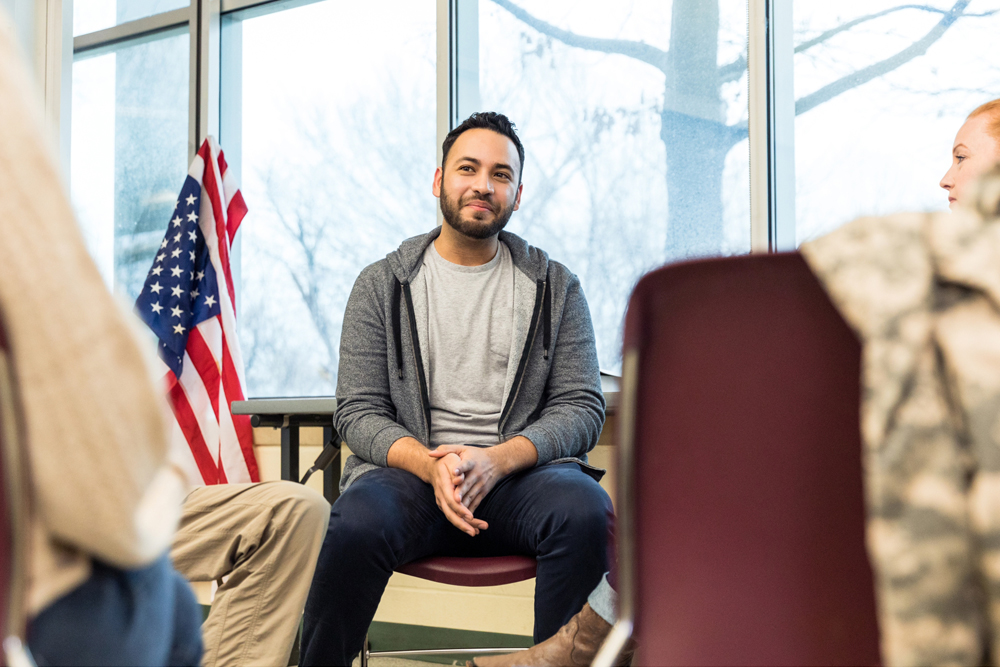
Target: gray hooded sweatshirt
(552,394)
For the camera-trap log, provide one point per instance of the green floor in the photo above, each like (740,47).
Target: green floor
(397,636)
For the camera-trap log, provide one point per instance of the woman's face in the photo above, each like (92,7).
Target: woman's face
(975,151)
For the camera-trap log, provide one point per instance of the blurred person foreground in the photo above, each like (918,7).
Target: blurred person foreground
(922,291)
(105,496)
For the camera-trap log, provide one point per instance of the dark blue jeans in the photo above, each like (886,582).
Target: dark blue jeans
(388,517)
(121,617)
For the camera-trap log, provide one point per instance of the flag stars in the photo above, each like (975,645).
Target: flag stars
(163,245)
(194,294)
(209,300)
(190,200)
(176,311)
(178,329)
(157,270)
(175,271)
(192,216)
(176,252)
(200,274)
(176,290)
(193,235)
(157,308)
(191,255)
(177,239)
(155,287)
(161,257)
(176,221)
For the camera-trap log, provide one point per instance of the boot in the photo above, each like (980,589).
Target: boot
(576,643)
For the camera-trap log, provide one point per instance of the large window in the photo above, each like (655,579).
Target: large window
(634,158)
(338,154)
(129,150)
(882,87)
(635,115)
(93,15)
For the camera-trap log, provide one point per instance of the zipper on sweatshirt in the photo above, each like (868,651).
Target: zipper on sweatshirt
(540,293)
(425,403)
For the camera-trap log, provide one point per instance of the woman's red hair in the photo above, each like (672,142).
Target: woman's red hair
(993,110)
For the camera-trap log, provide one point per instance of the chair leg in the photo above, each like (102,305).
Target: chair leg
(365,652)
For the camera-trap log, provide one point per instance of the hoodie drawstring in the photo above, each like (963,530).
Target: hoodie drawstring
(397,289)
(547,316)
(396,335)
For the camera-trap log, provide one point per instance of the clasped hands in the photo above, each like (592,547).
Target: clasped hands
(462,475)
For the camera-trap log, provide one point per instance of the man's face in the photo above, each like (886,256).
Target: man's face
(478,185)
(975,151)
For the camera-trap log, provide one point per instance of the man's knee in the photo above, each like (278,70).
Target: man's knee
(581,509)
(305,507)
(363,517)
(293,509)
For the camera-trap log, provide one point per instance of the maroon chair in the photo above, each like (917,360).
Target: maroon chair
(13,516)
(494,571)
(741,513)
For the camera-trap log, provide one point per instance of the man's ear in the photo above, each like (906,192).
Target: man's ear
(517,199)
(436,188)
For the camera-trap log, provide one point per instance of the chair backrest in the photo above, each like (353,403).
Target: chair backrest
(741,461)
(13,510)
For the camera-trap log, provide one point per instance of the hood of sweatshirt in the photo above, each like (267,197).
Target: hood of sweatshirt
(405,261)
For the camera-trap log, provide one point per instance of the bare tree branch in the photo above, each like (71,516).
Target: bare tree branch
(822,37)
(882,67)
(639,50)
(734,70)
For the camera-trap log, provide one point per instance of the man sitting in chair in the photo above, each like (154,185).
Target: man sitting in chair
(469,392)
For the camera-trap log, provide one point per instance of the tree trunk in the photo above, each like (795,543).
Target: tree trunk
(693,131)
(696,156)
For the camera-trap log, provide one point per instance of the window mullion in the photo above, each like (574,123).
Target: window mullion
(772,126)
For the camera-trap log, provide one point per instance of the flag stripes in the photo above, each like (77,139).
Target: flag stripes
(189,303)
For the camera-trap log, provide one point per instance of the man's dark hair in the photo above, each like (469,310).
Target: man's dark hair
(485,120)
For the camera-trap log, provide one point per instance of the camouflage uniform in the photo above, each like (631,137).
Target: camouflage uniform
(923,293)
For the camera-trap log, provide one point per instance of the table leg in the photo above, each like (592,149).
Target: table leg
(290,450)
(331,476)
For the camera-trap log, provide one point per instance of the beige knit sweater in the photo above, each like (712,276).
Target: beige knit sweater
(101,485)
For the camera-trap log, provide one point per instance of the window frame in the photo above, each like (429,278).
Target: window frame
(215,93)
(771,100)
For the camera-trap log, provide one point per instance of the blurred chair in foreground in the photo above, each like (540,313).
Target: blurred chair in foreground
(741,513)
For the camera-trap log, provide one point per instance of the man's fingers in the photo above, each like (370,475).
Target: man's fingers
(448,509)
(469,483)
(471,492)
(477,496)
(474,505)
(443,450)
(454,503)
(459,522)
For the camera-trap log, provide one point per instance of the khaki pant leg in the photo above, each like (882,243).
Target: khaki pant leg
(266,538)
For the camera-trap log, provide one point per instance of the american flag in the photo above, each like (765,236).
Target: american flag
(188,301)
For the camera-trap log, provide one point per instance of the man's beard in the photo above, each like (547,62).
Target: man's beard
(473,229)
